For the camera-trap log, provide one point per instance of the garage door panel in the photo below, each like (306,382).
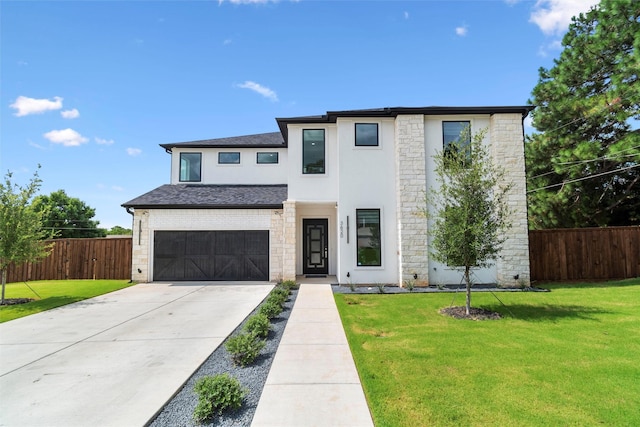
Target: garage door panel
(211,255)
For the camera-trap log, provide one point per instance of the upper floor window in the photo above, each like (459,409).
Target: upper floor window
(267,158)
(229,158)
(366,134)
(456,135)
(313,151)
(368,235)
(190,167)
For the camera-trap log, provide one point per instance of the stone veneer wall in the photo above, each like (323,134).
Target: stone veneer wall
(413,253)
(276,245)
(507,148)
(289,241)
(140,246)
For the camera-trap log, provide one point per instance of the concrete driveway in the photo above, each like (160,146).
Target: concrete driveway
(116,359)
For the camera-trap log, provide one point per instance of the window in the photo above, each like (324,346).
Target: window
(190,167)
(229,158)
(366,134)
(267,158)
(368,236)
(456,135)
(313,151)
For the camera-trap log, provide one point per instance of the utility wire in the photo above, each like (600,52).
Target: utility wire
(583,178)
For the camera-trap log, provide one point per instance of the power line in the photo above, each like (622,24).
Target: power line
(583,178)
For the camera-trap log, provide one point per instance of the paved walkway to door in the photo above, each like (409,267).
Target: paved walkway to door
(116,359)
(313,380)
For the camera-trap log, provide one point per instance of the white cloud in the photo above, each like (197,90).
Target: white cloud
(554,16)
(555,45)
(134,151)
(70,114)
(462,30)
(258,88)
(67,137)
(117,188)
(101,141)
(26,106)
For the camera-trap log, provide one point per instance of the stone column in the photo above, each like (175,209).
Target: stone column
(276,243)
(289,241)
(507,149)
(140,246)
(413,253)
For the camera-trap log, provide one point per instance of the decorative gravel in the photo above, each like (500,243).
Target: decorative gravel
(179,410)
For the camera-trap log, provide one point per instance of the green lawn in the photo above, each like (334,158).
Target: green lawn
(49,294)
(569,357)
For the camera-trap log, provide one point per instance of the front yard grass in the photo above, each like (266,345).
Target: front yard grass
(53,293)
(565,357)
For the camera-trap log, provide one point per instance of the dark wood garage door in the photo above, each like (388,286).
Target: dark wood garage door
(211,255)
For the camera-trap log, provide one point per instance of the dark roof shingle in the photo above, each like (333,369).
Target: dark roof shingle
(195,196)
(261,140)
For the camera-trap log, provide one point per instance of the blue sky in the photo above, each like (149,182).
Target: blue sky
(89,89)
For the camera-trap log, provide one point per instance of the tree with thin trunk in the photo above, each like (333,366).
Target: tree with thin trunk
(467,207)
(21,233)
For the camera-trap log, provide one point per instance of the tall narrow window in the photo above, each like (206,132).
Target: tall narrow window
(366,134)
(368,236)
(313,151)
(456,136)
(190,167)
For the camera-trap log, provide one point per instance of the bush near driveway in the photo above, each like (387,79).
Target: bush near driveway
(565,357)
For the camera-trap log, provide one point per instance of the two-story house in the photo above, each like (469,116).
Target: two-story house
(337,194)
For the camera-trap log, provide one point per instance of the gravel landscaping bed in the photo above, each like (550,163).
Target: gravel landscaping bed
(179,410)
(395,289)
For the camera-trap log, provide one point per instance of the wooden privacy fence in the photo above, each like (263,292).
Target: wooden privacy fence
(79,259)
(585,253)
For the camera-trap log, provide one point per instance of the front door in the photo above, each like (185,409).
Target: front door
(316,246)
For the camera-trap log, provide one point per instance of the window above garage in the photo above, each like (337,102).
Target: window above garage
(190,167)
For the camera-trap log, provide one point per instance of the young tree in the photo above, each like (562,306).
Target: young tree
(68,216)
(21,233)
(583,168)
(467,206)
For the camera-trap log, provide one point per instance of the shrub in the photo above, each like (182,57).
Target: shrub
(244,348)
(279,295)
(217,394)
(270,309)
(258,325)
(289,284)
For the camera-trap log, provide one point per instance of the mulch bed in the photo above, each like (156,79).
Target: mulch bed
(14,301)
(474,313)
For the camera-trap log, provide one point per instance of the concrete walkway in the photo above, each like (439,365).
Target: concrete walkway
(313,380)
(115,360)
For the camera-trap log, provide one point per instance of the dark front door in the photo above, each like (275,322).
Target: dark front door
(316,246)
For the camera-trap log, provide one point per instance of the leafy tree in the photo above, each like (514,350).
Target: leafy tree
(21,233)
(583,168)
(117,230)
(467,206)
(68,216)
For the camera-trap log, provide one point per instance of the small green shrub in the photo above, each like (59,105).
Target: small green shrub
(244,348)
(217,394)
(258,325)
(380,287)
(278,295)
(270,309)
(289,284)
(410,284)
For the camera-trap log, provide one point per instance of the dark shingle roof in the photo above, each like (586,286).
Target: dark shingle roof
(198,196)
(261,140)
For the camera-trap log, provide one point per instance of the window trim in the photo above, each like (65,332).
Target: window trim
(380,252)
(324,153)
(199,167)
(355,135)
(468,143)
(258,162)
(229,152)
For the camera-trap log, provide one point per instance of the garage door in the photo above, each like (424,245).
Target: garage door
(211,255)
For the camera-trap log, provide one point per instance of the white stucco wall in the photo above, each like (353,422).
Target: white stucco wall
(367,181)
(312,187)
(247,172)
(441,273)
